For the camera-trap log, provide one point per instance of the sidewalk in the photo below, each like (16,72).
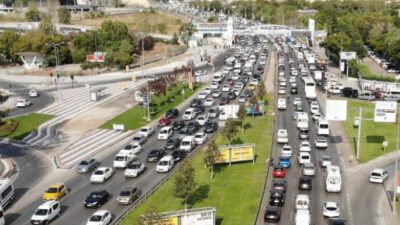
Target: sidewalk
(9,103)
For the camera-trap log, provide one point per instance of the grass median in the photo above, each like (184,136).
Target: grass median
(235,191)
(373,134)
(136,116)
(24,125)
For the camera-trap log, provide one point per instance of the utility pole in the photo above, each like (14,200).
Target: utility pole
(147,81)
(56,53)
(359,133)
(395,168)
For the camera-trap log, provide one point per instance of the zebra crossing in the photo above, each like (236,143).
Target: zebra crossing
(90,145)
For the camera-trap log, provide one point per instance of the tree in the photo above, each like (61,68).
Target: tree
(241,114)
(7,40)
(261,91)
(185,185)
(33,14)
(148,43)
(212,19)
(64,15)
(151,217)
(230,130)
(46,25)
(211,155)
(175,39)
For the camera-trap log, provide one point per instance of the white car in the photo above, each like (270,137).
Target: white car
(242,99)
(146,131)
(209,102)
(334,90)
(282,84)
(214,85)
(305,146)
(202,95)
(292,80)
(134,169)
(235,76)
(135,148)
(321,142)
(378,176)
(308,169)
(316,116)
(223,116)
(23,103)
(281,103)
(101,174)
(325,160)
(255,81)
(296,101)
(101,217)
(282,136)
(216,94)
(202,119)
(33,93)
(314,109)
(294,72)
(303,158)
(200,138)
(226,88)
(286,151)
(330,209)
(282,91)
(207,90)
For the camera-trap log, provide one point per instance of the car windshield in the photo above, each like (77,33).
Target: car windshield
(95,218)
(52,190)
(41,212)
(163,163)
(137,138)
(128,147)
(143,130)
(125,193)
(83,163)
(198,136)
(375,174)
(99,172)
(153,152)
(331,208)
(94,195)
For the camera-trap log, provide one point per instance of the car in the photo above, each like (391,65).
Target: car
(314,109)
(172,143)
(231,95)
(55,192)
(198,110)
(192,127)
(308,169)
(177,125)
(282,136)
(325,160)
(296,101)
(213,112)
(282,83)
(242,99)
(172,113)
(135,148)
(209,102)
(178,155)
(272,214)
(21,103)
(202,119)
(138,140)
(321,142)
(196,102)
(305,146)
(101,217)
(281,104)
(303,158)
(299,107)
(45,213)
(226,88)
(282,91)
(128,195)
(279,172)
(155,155)
(337,221)
(33,93)
(305,183)
(316,116)
(85,166)
(214,85)
(279,185)
(134,169)
(146,131)
(304,133)
(165,121)
(277,198)
(211,127)
(285,162)
(286,151)
(101,174)
(293,90)
(330,209)
(207,90)
(200,138)
(216,94)
(183,133)
(96,199)
(202,95)
(223,116)
(378,176)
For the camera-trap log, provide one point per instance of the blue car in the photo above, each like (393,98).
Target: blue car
(285,162)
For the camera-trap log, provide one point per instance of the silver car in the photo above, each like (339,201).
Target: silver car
(87,165)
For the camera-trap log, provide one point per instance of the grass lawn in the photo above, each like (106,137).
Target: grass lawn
(134,117)
(372,134)
(235,191)
(26,124)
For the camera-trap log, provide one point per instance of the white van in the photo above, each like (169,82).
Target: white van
(302,202)
(165,133)
(189,114)
(121,160)
(282,136)
(302,120)
(46,212)
(322,127)
(188,143)
(218,77)
(165,164)
(302,217)
(333,179)
(281,103)
(6,192)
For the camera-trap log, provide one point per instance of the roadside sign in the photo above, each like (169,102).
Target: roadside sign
(336,110)
(385,111)
(133,77)
(385,144)
(117,126)
(236,153)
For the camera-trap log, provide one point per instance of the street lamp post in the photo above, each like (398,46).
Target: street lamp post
(147,82)
(57,55)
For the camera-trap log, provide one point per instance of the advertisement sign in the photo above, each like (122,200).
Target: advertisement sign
(117,126)
(311,25)
(385,111)
(200,216)
(203,218)
(236,153)
(231,111)
(336,110)
(96,57)
(348,55)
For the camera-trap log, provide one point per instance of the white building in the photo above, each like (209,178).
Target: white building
(221,33)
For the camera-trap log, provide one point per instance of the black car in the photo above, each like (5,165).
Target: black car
(337,221)
(178,155)
(257,76)
(304,133)
(155,155)
(231,95)
(279,185)
(196,102)
(172,143)
(177,125)
(96,199)
(350,92)
(248,93)
(305,183)
(272,214)
(224,100)
(193,127)
(293,90)
(244,80)
(172,113)
(199,109)
(277,198)
(211,127)
(183,132)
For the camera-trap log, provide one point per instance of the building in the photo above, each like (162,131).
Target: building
(219,33)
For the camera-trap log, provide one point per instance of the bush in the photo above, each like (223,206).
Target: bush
(64,15)
(358,68)
(79,56)
(162,28)
(8,126)
(148,43)
(33,15)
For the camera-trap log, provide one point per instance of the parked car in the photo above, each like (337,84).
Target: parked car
(350,92)
(96,199)
(369,96)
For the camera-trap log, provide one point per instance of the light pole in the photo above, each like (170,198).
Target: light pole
(147,82)
(57,55)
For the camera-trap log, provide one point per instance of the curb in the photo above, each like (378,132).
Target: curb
(8,166)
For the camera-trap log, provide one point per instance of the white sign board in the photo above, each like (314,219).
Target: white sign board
(348,55)
(118,127)
(385,111)
(311,25)
(198,218)
(336,110)
(231,111)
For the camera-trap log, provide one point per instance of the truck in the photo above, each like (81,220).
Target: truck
(318,76)
(310,59)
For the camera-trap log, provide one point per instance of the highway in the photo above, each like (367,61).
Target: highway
(318,195)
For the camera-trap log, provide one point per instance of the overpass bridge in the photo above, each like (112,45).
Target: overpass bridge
(272,30)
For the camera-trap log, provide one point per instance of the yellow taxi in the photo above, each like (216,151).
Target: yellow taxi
(251,87)
(55,192)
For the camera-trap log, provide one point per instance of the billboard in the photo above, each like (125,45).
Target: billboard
(348,55)
(200,216)
(96,57)
(231,110)
(336,110)
(236,153)
(385,111)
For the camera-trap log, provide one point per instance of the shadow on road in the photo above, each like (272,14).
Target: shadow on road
(11,217)
(18,193)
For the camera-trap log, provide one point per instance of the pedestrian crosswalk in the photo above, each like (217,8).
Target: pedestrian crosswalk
(89,145)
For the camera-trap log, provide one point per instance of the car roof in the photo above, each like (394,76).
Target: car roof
(57,185)
(331,204)
(100,212)
(47,204)
(378,170)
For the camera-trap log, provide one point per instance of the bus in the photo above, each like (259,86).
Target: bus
(309,88)
(333,180)
(6,191)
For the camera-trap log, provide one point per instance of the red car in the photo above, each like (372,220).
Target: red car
(279,172)
(164,122)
